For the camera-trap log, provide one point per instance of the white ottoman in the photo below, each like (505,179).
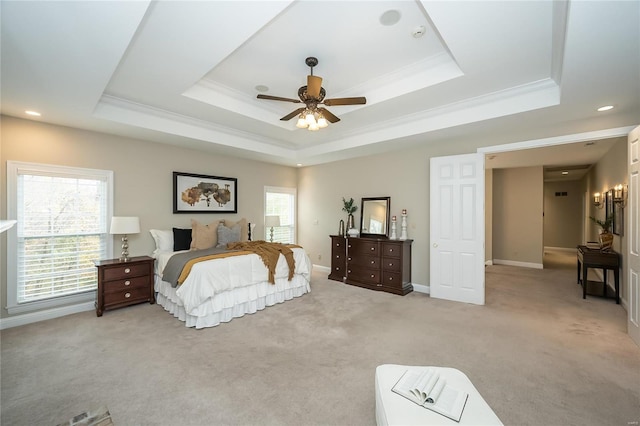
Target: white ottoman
(393,409)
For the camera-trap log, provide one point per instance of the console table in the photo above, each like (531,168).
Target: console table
(594,258)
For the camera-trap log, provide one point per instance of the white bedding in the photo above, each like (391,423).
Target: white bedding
(219,290)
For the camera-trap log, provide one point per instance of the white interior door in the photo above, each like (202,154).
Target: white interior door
(633,252)
(457,228)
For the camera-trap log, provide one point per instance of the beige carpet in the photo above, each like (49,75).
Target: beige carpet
(537,352)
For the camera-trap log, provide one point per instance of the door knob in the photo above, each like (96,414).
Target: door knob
(435,244)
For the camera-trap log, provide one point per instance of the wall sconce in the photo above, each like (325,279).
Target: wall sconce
(620,195)
(597,200)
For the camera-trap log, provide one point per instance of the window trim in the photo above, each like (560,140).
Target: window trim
(14,168)
(283,190)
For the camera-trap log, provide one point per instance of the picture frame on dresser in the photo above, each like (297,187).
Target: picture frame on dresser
(197,193)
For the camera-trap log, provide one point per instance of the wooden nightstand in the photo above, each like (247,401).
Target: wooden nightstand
(124,283)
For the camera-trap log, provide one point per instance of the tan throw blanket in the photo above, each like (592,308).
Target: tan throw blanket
(269,253)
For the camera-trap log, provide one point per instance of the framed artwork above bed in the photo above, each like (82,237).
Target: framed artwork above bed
(193,193)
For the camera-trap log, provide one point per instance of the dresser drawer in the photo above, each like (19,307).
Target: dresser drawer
(126,296)
(126,284)
(391,279)
(392,264)
(364,275)
(363,248)
(126,271)
(391,250)
(369,262)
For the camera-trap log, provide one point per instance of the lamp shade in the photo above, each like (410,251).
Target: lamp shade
(125,225)
(271,221)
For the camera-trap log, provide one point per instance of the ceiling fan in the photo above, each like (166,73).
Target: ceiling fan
(312,116)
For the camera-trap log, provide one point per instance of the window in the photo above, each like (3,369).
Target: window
(62,215)
(281,202)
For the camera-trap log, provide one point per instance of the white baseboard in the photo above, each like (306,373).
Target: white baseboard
(24,319)
(488,262)
(515,263)
(321,268)
(421,288)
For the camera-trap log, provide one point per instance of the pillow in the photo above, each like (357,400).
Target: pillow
(163,239)
(204,236)
(181,239)
(228,235)
(244,228)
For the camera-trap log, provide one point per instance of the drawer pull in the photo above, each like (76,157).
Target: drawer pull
(348,258)
(378,285)
(127,295)
(373,248)
(390,250)
(391,264)
(349,246)
(390,278)
(127,270)
(372,276)
(373,262)
(337,256)
(349,271)
(127,282)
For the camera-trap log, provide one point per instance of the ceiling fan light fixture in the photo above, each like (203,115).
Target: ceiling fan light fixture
(322,122)
(314,127)
(310,119)
(302,123)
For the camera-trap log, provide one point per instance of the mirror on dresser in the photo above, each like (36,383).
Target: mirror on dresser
(374,217)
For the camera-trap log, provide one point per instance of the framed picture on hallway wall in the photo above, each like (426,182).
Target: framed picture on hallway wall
(618,219)
(608,206)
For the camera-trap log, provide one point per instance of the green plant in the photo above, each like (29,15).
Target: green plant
(348,206)
(604,224)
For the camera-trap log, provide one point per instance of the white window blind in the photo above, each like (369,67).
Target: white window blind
(62,216)
(281,202)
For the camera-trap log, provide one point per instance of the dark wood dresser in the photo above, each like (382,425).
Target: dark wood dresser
(373,263)
(124,283)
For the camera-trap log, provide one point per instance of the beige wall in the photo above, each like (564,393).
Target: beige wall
(517,215)
(143,182)
(562,214)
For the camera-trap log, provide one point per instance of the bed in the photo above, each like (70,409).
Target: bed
(220,289)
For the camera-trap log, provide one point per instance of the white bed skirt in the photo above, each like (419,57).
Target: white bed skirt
(225,306)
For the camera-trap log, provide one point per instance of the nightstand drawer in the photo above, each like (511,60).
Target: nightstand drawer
(126,296)
(126,284)
(125,271)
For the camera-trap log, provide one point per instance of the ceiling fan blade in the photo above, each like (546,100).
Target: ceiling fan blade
(346,101)
(328,115)
(291,115)
(278,98)
(314,83)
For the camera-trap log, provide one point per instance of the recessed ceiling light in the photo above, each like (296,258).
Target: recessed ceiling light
(418,31)
(390,17)
(261,88)
(605,108)
(565,172)
(33,113)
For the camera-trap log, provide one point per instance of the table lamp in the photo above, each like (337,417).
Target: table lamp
(270,222)
(125,225)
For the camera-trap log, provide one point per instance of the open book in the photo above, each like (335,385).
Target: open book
(425,387)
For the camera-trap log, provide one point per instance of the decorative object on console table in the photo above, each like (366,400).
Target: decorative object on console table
(124,283)
(125,225)
(403,234)
(271,221)
(605,237)
(373,263)
(341,228)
